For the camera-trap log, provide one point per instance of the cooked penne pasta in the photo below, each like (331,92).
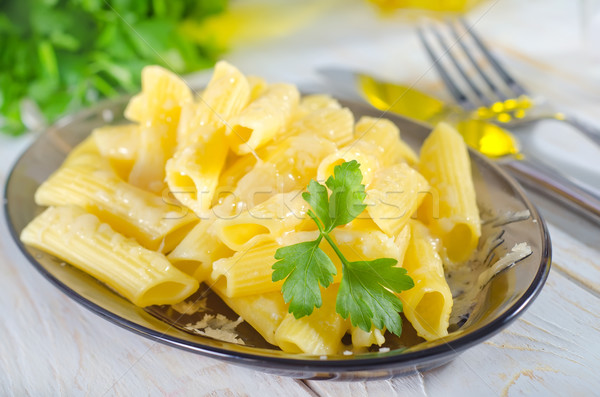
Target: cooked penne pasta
(386,137)
(263,118)
(279,214)
(195,254)
(227,93)
(241,170)
(394,196)
(428,304)
(362,338)
(455,217)
(319,333)
(157,109)
(369,163)
(143,276)
(248,271)
(264,312)
(87,181)
(192,174)
(118,144)
(335,125)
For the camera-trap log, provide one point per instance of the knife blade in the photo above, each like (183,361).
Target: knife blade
(409,102)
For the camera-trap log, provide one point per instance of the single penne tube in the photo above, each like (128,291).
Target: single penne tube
(310,103)
(257,85)
(335,125)
(279,214)
(157,109)
(428,304)
(249,271)
(118,144)
(154,148)
(362,338)
(454,217)
(319,333)
(284,166)
(263,118)
(308,151)
(142,276)
(355,150)
(385,135)
(192,174)
(88,182)
(394,196)
(264,312)
(163,94)
(226,94)
(365,245)
(195,254)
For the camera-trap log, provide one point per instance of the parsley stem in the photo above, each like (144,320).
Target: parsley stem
(336,249)
(317,221)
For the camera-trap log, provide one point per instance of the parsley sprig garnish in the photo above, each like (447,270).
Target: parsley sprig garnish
(367,290)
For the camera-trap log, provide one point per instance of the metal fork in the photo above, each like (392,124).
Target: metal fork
(492,93)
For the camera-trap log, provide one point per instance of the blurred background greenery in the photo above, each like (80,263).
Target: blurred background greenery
(57,56)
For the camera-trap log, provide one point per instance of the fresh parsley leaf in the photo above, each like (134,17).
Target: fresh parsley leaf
(306,266)
(319,201)
(366,294)
(367,290)
(347,193)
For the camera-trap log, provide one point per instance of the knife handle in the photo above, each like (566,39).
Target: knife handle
(552,185)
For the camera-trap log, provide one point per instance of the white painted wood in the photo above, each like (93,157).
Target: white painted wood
(52,346)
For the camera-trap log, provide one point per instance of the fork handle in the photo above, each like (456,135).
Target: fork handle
(551,184)
(591,131)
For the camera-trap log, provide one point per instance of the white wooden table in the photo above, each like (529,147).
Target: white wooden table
(49,345)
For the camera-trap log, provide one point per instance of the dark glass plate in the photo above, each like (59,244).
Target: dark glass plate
(489,310)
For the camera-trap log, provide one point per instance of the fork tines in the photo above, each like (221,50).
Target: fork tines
(471,73)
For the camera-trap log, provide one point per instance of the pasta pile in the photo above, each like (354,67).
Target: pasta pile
(207,189)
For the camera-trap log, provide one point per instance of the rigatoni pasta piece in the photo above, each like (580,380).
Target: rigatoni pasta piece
(144,277)
(297,158)
(257,85)
(249,271)
(163,94)
(263,118)
(428,304)
(155,147)
(361,245)
(362,338)
(192,174)
(264,312)
(335,125)
(320,333)
(157,108)
(87,181)
(385,135)
(118,144)
(311,103)
(195,254)
(455,218)
(394,195)
(369,163)
(280,213)
(226,94)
